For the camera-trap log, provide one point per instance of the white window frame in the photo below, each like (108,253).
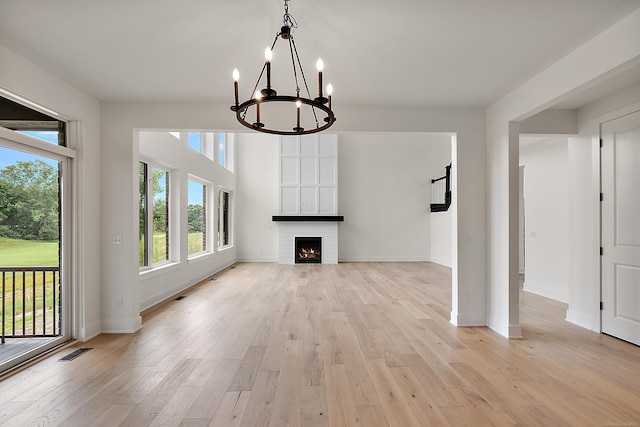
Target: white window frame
(228,158)
(149,217)
(209,217)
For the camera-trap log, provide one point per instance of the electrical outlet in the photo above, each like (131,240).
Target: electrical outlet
(117,239)
(119,302)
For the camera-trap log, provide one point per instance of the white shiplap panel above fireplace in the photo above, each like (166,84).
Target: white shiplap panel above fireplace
(308,175)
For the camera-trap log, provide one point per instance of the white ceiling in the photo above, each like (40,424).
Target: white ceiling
(402,53)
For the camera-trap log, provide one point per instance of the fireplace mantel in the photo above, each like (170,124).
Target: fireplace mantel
(307,218)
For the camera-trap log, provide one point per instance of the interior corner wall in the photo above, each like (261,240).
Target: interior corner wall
(384,190)
(546,198)
(23,78)
(258,160)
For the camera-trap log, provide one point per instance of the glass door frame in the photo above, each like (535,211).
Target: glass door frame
(66,157)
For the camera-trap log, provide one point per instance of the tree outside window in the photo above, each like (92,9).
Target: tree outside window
(197,217)
(154,215)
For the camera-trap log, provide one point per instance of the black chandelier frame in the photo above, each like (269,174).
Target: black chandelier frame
(269,95)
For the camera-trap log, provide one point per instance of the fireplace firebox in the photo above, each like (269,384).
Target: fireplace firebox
(308,250)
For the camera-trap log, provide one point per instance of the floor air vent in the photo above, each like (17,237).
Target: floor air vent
(74,354)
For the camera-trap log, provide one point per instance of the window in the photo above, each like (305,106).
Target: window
(225,150)
(197,218)
(224,208)
(202,142)
(52,136)
(35,124)
(222,158)
(154,215)
(195,141)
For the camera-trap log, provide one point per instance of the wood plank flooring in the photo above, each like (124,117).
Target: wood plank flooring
(361,344)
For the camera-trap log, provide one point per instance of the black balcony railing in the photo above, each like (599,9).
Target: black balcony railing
(30,302)
(441,192)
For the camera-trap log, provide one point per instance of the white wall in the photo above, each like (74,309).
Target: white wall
(82,112)
(384,194)
(521,220)
(441,237)
(257,163)
(546,197)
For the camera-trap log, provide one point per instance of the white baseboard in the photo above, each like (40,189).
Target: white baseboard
(462,320)
(545,292)
(383,259)
(169,293)
(121,326)
(267,260)
(443,262)
(581,319)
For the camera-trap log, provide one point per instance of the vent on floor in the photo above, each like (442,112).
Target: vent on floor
(74,354)
(180,297)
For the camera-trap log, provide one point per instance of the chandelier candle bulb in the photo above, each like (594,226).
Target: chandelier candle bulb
(329,93)
(258,97)
(298,128)
(320,66)
(268,54)
(236,78)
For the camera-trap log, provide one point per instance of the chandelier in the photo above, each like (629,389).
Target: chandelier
(267,97)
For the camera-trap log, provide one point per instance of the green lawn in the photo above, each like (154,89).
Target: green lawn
(22,253)
(194,245)
(23,301)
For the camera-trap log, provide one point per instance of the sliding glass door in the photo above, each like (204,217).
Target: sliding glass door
(34,247)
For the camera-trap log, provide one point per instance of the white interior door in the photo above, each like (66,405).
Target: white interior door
(621,228)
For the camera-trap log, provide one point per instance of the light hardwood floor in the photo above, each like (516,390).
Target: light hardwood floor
(363,344)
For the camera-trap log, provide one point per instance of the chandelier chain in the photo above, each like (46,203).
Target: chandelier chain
(287,18)
(293,63)
(264,67)
(304,78)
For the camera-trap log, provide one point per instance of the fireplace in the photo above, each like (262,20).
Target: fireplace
(323,227)
(308,250)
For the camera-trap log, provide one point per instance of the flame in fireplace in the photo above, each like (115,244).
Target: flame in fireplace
(308,253)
